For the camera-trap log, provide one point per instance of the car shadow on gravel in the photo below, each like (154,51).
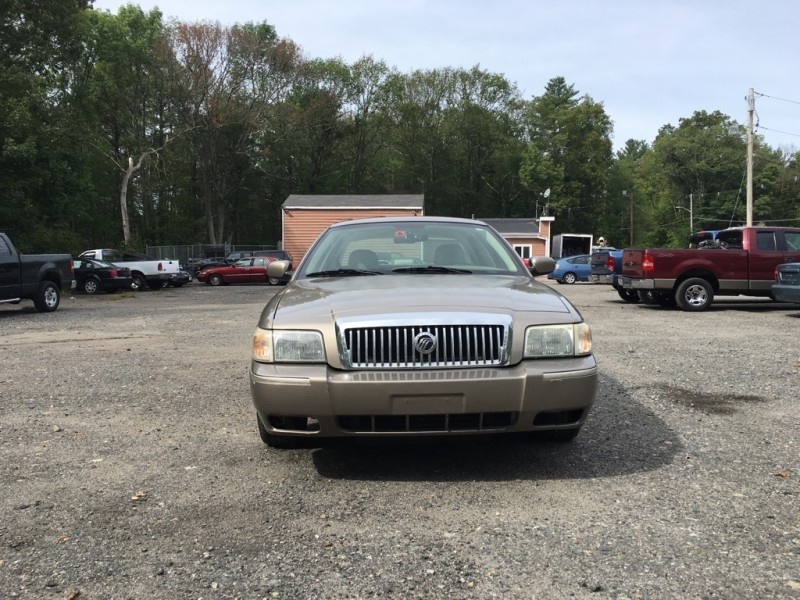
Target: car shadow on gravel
(620,437)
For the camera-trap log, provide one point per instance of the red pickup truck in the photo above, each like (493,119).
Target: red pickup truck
(741,261)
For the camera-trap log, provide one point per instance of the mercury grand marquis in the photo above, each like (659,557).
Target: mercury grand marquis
(418,326)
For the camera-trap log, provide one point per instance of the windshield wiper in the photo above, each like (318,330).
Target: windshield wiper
(342,272)
(431,269)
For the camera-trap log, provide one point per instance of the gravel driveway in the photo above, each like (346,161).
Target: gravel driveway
(132,468)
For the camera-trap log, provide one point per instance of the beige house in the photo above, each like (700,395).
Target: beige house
(529,237)
(306,216)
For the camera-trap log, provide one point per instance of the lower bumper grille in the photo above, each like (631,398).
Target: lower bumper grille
(427,423)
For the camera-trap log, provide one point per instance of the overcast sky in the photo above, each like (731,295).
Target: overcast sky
(649,62)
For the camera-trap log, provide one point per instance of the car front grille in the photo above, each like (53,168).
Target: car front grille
(425,346)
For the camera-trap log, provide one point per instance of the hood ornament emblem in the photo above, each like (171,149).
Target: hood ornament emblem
(425,342)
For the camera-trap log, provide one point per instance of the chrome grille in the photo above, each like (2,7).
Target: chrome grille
(393,347)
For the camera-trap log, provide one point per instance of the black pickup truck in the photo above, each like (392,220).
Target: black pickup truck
(37,277)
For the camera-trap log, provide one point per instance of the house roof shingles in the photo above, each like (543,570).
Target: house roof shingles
(515,227)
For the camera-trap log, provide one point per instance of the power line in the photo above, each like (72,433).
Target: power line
(778,131)
(776,98)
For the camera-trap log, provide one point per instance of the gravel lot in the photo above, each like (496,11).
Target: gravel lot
(132,468)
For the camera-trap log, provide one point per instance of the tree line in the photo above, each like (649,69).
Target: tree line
(128,130)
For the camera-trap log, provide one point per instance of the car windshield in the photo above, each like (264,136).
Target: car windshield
(410,247)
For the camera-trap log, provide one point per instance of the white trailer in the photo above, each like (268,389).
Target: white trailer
(570,244)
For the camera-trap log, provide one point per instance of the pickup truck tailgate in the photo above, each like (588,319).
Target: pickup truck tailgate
(632,262)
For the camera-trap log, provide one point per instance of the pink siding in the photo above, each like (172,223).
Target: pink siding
(537,245)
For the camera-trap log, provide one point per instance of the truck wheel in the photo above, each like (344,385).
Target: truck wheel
(570,278)
(628,295)
(215,279)
(694,294)
(47,297)
(138,282)
(91,285)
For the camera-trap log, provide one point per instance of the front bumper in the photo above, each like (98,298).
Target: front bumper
(533,395)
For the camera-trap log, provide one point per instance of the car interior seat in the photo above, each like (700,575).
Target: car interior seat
(363,259)
(449,254)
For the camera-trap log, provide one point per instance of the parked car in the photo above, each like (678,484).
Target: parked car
(146,270)
(198,264)
(247,270)
(606,268)
(787,283)
(449,335)
(572,269)
(739,261)
(94,275)
(37,277)
(182,277)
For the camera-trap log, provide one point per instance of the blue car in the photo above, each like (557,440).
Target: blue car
(572,268)
(787,283)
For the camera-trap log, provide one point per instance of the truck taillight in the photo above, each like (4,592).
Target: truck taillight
(647,266)
(610,263)
(160,268)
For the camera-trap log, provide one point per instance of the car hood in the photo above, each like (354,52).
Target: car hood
(321,301)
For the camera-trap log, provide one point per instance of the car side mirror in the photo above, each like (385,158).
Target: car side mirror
(277,268)
(542,265)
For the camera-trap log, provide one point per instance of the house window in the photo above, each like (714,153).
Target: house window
(524,250)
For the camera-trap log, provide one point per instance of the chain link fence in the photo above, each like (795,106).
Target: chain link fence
(188,253)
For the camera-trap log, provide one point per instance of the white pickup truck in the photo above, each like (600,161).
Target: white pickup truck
(152,273)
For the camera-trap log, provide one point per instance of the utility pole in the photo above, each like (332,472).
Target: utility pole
(751,107)
(630,211)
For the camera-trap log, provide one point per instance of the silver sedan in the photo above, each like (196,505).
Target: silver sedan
(418,326)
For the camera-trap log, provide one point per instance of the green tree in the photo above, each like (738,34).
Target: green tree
(42,122)
(569,153)
(225,82)
(701,164)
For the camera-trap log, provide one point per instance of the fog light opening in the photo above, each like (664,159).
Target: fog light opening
(294,423)
(562,417)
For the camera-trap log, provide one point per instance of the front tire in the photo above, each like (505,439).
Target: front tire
(570,278)
(91,285)
(215,280)
(138,282)
(694,294)
(47,297)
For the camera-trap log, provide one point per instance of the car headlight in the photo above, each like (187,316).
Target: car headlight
(287,346)
(548,341)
